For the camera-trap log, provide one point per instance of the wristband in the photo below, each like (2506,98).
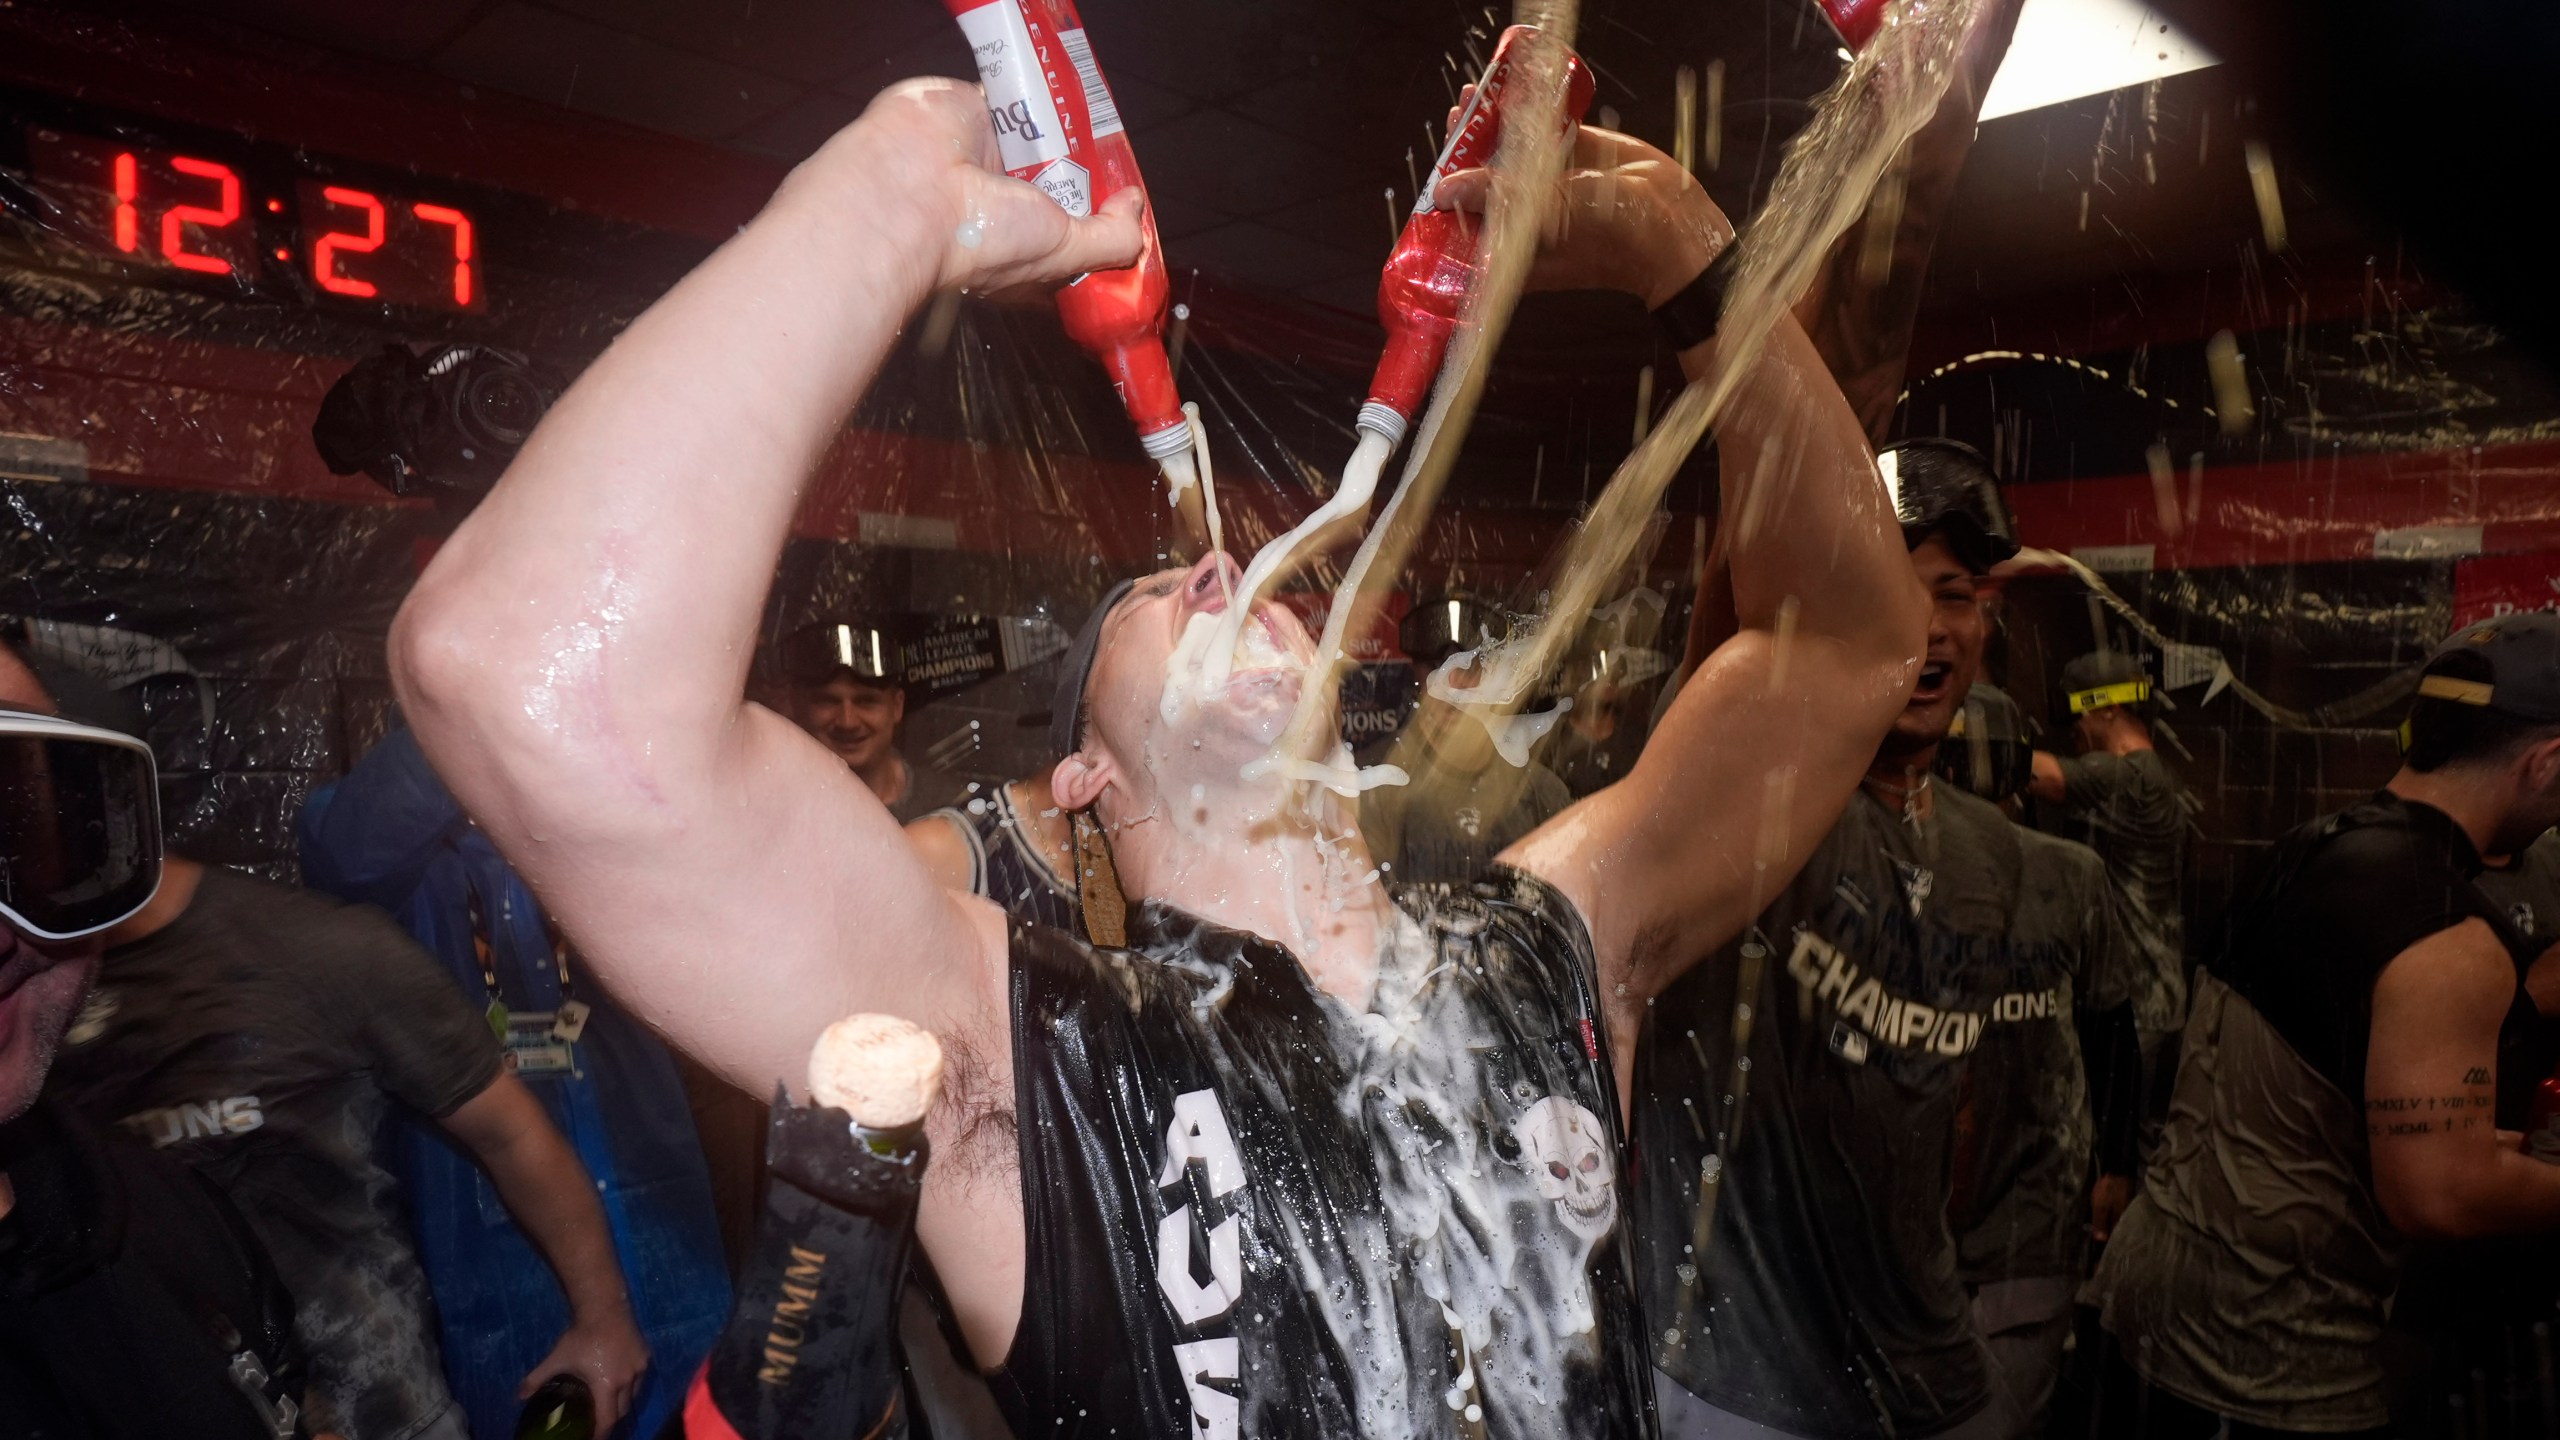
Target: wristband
(1689,317)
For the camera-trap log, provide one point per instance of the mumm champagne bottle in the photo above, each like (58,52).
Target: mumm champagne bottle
(811,1345)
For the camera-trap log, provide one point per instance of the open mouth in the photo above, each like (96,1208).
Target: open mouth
(1259,648)
(1935,676)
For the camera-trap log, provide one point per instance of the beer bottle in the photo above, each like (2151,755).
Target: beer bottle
(563,1409)
(811,1345)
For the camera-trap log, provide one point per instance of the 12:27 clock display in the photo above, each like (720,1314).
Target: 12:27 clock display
(163,209)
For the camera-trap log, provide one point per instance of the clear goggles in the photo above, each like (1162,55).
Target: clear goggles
(79,827)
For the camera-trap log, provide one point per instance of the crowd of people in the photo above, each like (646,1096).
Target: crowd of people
(1826,1059)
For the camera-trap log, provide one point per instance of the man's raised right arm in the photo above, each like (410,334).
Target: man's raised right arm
(573,660)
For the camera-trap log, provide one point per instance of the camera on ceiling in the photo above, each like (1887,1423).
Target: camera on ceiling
(442,423)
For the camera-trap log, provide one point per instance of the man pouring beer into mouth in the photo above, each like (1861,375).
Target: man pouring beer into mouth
(1307,1154)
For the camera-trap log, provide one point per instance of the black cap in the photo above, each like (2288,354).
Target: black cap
(1944,487)
(2102,678)
(2510,664)
(1066,708)
(1439,627)
(815,654)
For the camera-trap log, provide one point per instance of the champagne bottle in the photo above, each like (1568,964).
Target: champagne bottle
(811,1345)
(563,1409)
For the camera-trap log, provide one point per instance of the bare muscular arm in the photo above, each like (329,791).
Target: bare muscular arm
(2441,1167)
(573,659)
(1754,760)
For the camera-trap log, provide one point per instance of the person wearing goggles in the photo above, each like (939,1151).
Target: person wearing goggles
(134,1301)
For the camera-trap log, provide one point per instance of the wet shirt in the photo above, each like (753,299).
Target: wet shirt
(1794,1247)
(2131,810)
(127,1287)
(2255,1272)
(1006,864)
(262,1037)
(2027,1138)
(1447,823)
(1253,1211)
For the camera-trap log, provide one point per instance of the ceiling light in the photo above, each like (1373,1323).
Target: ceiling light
(2065,49)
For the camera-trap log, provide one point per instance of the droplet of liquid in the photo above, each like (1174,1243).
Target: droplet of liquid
(970,235)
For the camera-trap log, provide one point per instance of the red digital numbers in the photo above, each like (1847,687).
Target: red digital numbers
(324,250)
(154,208)
(160,209)
(379,247)
(175,220)
(461,223)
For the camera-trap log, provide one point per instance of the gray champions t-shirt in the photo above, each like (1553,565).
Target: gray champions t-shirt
(1795,1126)
(2027,1139)
(262,1037)
(2131,810)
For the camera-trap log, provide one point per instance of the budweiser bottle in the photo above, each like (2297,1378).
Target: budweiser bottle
(1434,264)
(1059,130)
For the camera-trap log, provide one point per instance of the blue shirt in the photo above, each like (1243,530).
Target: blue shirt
(389,834)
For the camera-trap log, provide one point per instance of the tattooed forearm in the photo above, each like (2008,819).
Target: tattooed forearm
(2398,1115)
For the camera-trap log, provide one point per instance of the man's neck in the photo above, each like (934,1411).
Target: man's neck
(179,877)
(2472,797)
(1899,778)
(1307,886)
(2127,739)
(887,777)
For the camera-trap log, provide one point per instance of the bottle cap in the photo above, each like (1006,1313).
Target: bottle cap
(1381,418)
(881,1070)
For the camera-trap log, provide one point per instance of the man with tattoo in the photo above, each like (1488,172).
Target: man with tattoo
(2359,1048)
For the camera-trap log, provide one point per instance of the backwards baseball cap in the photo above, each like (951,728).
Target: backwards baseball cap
(79,826)
(1944,487)
(1066,708)
(2103,678)
(2510,664)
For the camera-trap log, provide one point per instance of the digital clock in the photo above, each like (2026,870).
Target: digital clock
(166,210)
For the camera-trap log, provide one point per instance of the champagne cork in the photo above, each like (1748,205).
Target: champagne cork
(881,1070)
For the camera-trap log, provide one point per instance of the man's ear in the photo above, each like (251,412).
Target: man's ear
(897,707)
(1080,779)
(2541,767)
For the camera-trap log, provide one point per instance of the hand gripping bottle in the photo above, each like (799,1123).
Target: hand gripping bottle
(1434,264)
(1059,130)
(811,1345)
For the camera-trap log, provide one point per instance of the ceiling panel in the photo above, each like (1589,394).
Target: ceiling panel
(806,40)
(577,65)
(1231,163)
(406,31)
(1260,255)
(800,127)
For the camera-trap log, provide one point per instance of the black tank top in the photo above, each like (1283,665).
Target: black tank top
(1006,864)
(1251,1211)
